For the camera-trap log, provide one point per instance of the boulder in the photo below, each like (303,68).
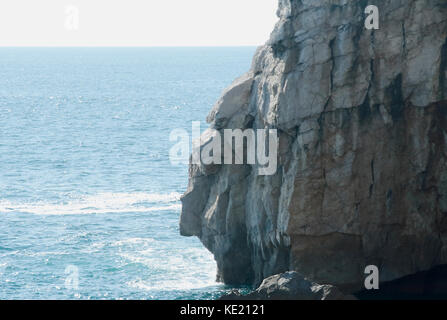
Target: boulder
(291,286)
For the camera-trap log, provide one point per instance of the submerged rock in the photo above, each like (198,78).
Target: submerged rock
(362,168)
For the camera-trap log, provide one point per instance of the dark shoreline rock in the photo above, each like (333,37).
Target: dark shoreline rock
(425,285)
(290,286)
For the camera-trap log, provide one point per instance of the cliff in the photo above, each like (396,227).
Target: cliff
(362,165)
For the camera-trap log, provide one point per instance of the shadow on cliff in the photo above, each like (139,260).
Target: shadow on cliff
(427,285)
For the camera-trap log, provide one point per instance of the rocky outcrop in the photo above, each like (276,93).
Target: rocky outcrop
(362,163)
(290,286)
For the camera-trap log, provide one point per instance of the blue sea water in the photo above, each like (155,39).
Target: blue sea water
(89,201)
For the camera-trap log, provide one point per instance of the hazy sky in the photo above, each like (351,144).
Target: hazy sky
(136,22)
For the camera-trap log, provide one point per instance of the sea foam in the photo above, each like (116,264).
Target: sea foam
(98,204)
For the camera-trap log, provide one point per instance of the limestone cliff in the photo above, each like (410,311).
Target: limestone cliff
(362,168)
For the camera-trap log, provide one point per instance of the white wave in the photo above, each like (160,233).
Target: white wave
(134,241)
(99,203)
(180,269)
(186,283)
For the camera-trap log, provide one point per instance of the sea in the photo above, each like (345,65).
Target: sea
(89,199)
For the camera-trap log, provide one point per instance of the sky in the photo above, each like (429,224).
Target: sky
(136,22)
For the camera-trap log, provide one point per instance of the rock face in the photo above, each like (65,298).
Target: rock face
(291,286)
(362,169)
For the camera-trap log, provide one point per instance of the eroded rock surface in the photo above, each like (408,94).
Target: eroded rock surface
(362,168)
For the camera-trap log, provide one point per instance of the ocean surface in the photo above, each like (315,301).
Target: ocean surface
(89,201)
